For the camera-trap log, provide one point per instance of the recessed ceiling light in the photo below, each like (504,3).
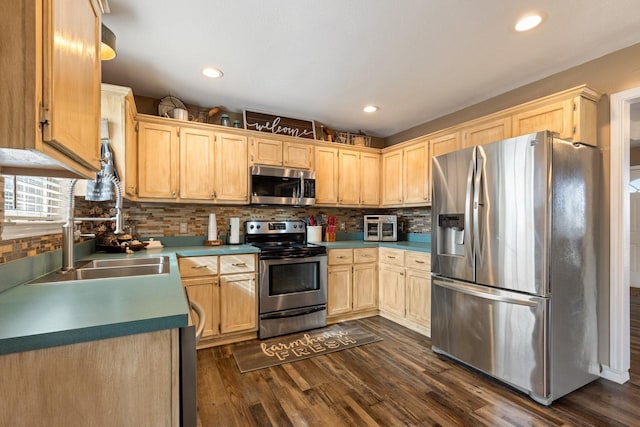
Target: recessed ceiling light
(214,73)
(370,109)
(529,22)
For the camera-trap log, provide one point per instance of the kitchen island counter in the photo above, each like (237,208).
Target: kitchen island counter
(48,315)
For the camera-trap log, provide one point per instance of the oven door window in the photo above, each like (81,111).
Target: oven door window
(294,277)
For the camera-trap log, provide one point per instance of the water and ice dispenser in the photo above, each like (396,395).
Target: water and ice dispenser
(451,234)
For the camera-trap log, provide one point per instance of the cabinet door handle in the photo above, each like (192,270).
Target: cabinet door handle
(391,257)
(237,280)
(341,257)
(200,266)
(240,264)
(419,262)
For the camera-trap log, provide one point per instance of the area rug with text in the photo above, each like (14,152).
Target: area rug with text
(256,354)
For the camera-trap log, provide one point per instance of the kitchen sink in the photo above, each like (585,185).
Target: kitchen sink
(127,262)
(108,269)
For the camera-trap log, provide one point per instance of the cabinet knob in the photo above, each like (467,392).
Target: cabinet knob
(173,194)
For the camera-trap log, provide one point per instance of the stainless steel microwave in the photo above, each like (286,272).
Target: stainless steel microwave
(381,228)
(282,186)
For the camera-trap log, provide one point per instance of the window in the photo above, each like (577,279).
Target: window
(33,206)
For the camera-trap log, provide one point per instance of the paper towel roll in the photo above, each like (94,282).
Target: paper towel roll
(234,231)
(212,233)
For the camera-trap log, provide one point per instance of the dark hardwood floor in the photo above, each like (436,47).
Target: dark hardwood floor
(398,381)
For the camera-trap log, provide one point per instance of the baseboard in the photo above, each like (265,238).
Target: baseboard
(226,339)
(421,329)
(351,316)
(616,376)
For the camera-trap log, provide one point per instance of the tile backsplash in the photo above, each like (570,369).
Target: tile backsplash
(161,219)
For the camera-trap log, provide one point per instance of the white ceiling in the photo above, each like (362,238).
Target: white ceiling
(324,60)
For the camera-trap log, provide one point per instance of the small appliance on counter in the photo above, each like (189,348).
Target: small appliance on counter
(379,228)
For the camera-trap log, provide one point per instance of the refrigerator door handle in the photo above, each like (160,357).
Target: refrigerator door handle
(468,203)
(470,290)
(480,160)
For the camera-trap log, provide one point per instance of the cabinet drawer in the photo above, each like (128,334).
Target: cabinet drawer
(230,264)
(198,266)
(417,260)
(391,256)
(363,255)
(340,256)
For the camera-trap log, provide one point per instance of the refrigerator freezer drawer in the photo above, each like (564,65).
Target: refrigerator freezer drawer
(501,333)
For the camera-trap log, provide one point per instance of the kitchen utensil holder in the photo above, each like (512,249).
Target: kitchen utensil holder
(314,233)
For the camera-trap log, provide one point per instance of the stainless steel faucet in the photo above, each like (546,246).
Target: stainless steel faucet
(68,228)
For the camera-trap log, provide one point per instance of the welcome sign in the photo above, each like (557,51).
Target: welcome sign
(290,348)
(279,125)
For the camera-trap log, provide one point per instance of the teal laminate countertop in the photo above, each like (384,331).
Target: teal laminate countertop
(48,315)
(404,245)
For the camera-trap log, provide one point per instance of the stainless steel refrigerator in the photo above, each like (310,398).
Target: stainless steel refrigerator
(513,261)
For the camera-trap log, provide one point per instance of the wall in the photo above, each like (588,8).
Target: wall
(634,156)
(147,105)
(160,219)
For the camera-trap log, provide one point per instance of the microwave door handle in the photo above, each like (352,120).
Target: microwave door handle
(302,195)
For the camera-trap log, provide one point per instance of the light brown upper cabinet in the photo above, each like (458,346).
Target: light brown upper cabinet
(197,164)
(405,175)
(573,119)
(417,176)
(392,178)
(119,108)
(326,175)
(232,169)
(51,85)
(190,163)
(349,177)
(446,143)
(158,160)
(369,179)
(485,132)
(267,151)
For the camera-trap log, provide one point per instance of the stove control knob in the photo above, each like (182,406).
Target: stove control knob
(251,226)
(258,226)
(295,226)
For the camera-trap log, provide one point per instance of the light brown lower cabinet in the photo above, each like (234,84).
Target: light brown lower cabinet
(124,381)
(226,288)
(405,288)
(352,287)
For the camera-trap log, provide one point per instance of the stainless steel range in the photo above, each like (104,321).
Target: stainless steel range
(292,277)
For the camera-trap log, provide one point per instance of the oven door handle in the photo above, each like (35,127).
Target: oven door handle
(293,313)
